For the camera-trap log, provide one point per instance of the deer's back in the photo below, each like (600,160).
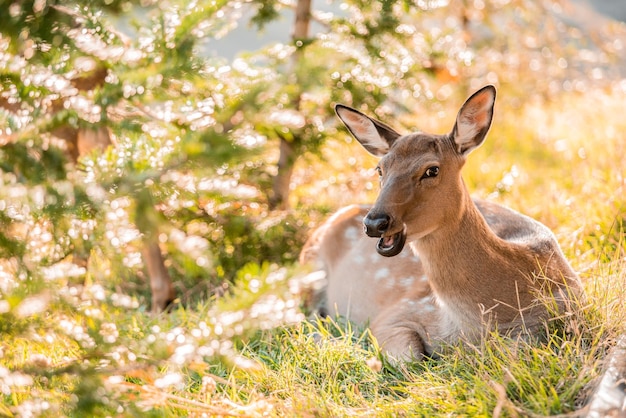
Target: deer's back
(533,238)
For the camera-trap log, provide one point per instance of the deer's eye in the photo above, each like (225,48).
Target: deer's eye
(379,171)
(431,172)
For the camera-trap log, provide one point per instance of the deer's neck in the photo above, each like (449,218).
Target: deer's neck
(468,266)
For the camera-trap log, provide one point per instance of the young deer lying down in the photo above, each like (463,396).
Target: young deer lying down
(473,266)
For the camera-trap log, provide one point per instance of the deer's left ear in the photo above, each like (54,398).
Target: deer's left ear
(474,120)
(375,136)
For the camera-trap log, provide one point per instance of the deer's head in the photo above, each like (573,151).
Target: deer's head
(420,174)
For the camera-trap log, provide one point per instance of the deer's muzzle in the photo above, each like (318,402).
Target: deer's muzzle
(376,225)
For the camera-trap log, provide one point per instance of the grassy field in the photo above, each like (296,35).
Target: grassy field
(91,353)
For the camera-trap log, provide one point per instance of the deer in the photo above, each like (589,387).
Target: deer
(471,266)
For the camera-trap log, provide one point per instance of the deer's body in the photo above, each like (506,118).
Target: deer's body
(474,265)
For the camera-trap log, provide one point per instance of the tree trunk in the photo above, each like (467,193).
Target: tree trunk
(280,187)
(279,198)
(161,286)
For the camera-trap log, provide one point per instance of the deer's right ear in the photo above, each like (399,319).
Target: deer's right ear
(474,120)
(375,136)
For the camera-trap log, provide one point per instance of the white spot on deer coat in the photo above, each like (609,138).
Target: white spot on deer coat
(407,281)
(381,273)
(351,234)
(428,308)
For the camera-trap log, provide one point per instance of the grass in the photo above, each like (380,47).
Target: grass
(251,354)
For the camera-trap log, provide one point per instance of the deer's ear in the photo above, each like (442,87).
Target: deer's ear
(474,120)
(375,136)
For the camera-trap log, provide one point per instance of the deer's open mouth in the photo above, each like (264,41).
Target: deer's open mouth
(391,245)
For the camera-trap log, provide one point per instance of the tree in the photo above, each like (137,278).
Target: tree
(69,75)
(289,146)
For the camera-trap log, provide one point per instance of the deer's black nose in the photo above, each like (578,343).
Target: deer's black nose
(376,224)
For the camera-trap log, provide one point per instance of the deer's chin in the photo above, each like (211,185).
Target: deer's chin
(391,245)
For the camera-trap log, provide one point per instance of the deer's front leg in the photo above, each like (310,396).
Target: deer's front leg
(400,332)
